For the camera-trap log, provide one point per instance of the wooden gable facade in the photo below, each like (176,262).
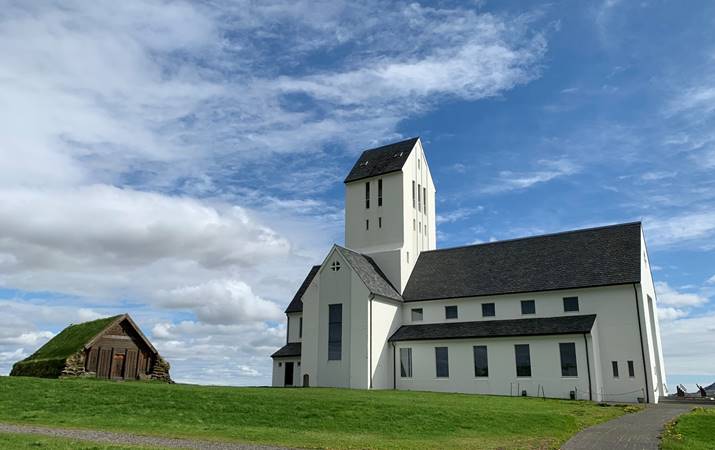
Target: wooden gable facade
(120,352)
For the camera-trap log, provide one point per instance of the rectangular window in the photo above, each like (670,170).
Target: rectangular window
(425,228)
(481,362)
(367,224)
(528,307)
(300,328)
(441,357)
(335,332)
(568,359)
(631,369)
(406,362)
(417,314)
(414,225)
(379,192)
(419,229)
(614,364)
(570,304)
(367,195)
(419,197)
(424,198)
(408,257)
(488,310)
(379,222)
(450,312)
(413,194)
(523,360)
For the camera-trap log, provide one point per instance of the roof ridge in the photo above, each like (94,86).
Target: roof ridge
(557,233)
(414,138)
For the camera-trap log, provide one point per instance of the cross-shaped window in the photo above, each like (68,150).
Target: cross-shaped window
(335,266)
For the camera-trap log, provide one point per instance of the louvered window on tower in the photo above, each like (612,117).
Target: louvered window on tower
(379,192)
(413,194)
(367,195)
(419,197)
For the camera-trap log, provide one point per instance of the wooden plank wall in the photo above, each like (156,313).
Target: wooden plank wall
(119,339)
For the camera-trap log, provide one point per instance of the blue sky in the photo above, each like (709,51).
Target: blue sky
(184,161)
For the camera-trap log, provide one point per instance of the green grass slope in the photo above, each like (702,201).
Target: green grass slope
(693,431)
(313,417)
(49,360)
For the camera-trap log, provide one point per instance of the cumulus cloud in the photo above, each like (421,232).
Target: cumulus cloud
(689,227)
(670,313)
(685,344)
(672,297)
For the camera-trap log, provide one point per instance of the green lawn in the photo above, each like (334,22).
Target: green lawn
(314,417)
(23,441)
(693,431)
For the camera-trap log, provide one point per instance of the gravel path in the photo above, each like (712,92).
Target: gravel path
(639,431)
(107,437)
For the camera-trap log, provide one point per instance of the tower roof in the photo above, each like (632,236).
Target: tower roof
(382,160)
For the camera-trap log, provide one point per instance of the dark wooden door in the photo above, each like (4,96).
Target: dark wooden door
(288,381)
(118,365)
(104,362)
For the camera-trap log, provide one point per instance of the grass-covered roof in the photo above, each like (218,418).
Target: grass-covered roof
(51,357)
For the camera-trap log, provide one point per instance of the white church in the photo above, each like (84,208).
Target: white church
(564,315)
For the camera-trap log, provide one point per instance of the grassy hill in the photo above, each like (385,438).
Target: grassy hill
(314,417)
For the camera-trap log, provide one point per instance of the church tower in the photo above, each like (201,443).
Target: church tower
(390,208)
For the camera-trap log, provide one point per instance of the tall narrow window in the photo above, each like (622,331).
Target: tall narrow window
(367,195)
(413,193)
(414,225)
(417,314)
(568,359)
(406,362)
(488,310)
(523,360)
(631,369)
(424,198)
(481,363)
(528,307)
(570,304)
(425,228)
(379,192)
(335,332)
(379,222)
(419,197)
(450,312)
(419,163)
(614,365)
(408,257)
(367,224)
(441,356)
(300,328)
(419,229)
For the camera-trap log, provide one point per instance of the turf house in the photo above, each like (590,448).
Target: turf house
(112,348)
(563,315)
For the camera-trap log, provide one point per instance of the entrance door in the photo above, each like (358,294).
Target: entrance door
(288,380)
(118,366)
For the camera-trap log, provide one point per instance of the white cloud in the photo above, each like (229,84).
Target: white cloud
(711,280)
(457,214)
(549,170)
(670,313)
(671,297)
(686,344)
(691,226)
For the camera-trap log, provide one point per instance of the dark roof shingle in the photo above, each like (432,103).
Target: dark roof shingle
(541,326)
(582,258)
(382,160)
(290,349)
(370,273)
(296,305)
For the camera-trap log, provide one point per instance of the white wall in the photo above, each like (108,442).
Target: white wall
(309,347)
(386,319)
(545,367)
(279,365)
(293,325)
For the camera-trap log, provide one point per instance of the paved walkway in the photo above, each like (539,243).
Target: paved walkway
(639,431)
(107,437)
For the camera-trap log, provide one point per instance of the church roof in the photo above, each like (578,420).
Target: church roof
(382,160)
(600,256)
(369,272)
(541,326)
(296,305)
(290,349)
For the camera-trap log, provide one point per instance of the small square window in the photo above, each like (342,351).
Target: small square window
(570,304)
(417,314)
(280,364)
(450,312)
(528,307)
(488,310)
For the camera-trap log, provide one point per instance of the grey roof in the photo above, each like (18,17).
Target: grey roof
(296,305)
(382,160)
(541,326)
(370,274)
(290,349)
(582,258)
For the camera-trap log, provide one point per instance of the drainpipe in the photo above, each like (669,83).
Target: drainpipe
(372,296)
(394,366)
(640,334)
(588,368)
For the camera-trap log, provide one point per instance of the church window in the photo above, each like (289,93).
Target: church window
(406,362)
(424,198)
(488,310)
(570,304)
(528,307)
(367,195)
(414,225)
(379,222)
(450,312)
(335,266)
(568,359)
(614,366)
(441,356)
(631,369)
(417,314)
(419,197)
(379,192)
(335,332)
(413,193)
(419,163)
(367,224)
(523,360)
(408,257)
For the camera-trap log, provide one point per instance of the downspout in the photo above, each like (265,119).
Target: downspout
(640,334)
(372,296)
(588,368)
(394,366)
